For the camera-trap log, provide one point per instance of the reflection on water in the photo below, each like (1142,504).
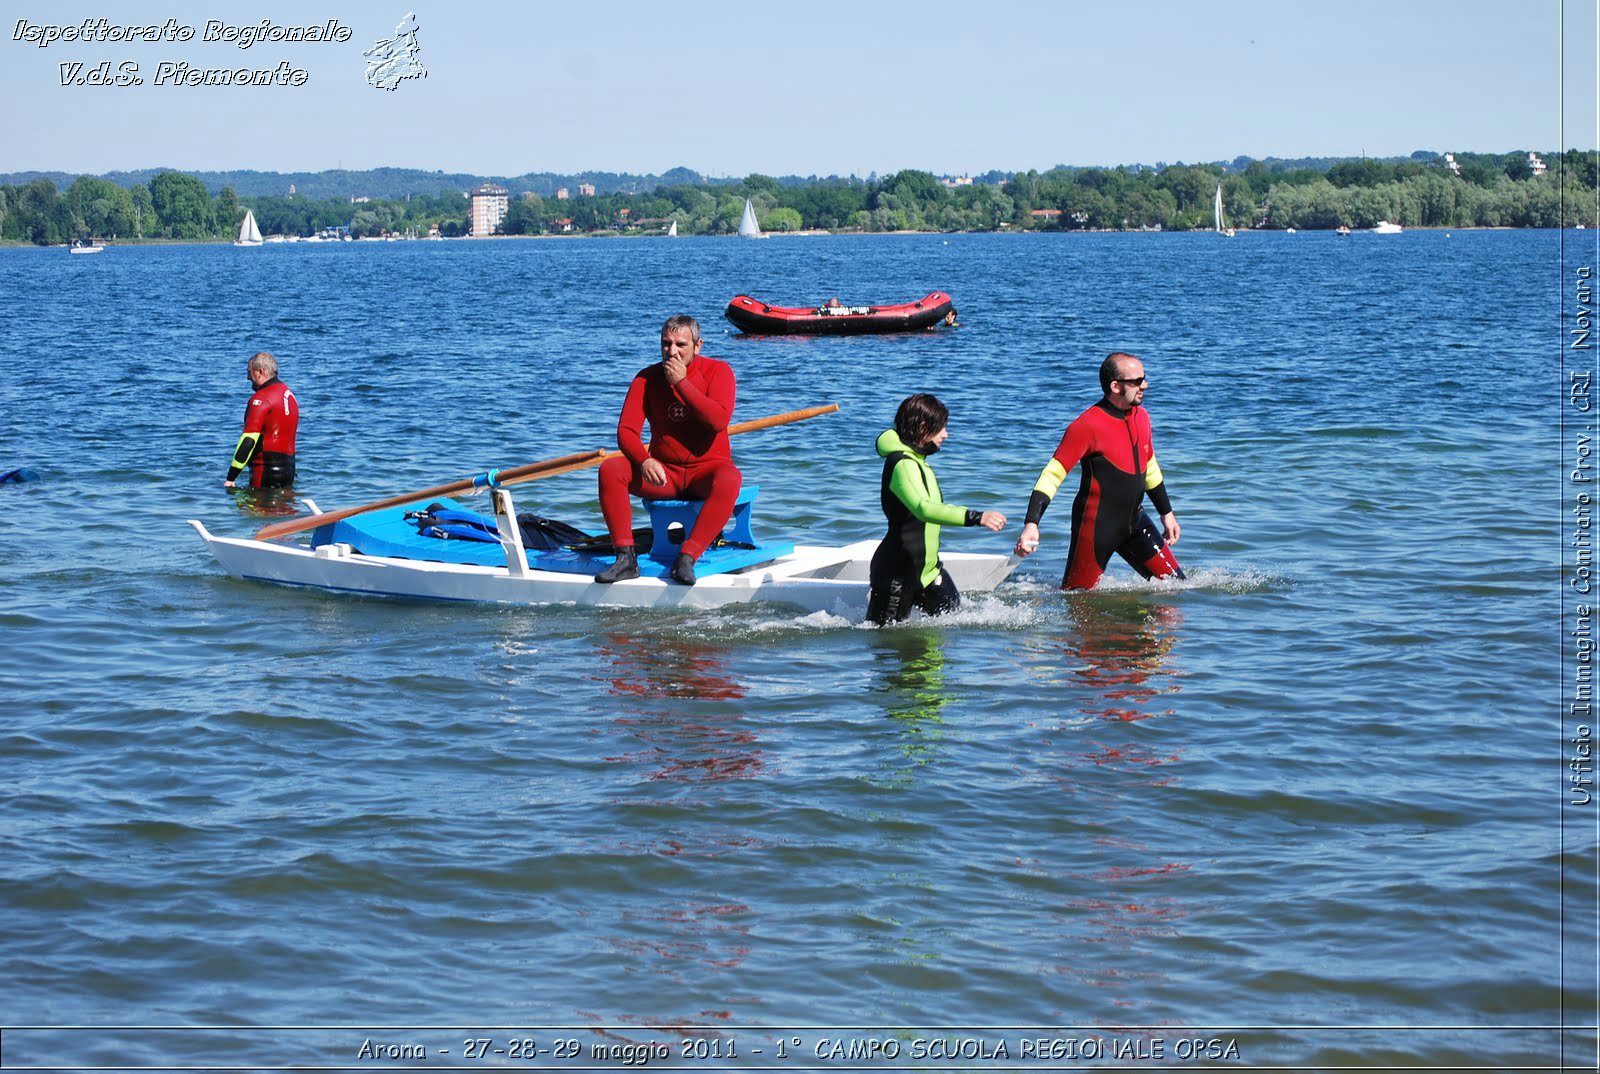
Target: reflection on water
(682,715)
(267,502)
(660,667)
(898,889)
(1121,673)
(672,684)
(913,693)
(1120,654)
(688,937)
(1114,670)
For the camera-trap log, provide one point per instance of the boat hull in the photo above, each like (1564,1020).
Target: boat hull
(755,317)
(813,578)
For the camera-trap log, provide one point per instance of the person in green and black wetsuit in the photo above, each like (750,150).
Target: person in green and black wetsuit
(906,572)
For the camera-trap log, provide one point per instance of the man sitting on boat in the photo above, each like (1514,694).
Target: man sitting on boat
(687,400)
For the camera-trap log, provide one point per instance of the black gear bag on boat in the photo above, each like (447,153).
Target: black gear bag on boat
(455,524)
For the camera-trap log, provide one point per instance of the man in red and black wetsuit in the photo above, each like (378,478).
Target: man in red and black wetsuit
(1112,440)
(687,399)
(270,422)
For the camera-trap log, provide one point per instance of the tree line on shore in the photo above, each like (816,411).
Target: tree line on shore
(1480,190)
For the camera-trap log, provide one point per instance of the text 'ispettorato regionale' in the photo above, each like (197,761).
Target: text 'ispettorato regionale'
(178,72)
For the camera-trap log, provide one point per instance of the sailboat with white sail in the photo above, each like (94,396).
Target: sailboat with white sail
(249,234)
(672,232)
(1222,221)
(748,229)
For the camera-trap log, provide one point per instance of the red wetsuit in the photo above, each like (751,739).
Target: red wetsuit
(689,436)
(1119,467)
(267,445)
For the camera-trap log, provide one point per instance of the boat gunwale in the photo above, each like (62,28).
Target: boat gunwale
(790,579)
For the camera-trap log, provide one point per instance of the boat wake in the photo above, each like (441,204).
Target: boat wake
(1020,603)
(1217,579)
(977,610)
(1233,579)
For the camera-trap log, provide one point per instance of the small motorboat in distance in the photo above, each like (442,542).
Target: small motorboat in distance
(756,317)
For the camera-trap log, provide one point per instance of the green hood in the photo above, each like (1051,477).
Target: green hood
(889,442)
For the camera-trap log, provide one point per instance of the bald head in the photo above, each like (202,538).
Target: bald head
(1122,379)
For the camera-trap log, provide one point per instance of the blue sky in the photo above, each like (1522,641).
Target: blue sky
(782,88)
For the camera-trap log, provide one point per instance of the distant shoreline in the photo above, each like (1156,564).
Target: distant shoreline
(1440,191)
(16,244)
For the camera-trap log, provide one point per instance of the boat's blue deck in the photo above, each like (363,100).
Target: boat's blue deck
(389,533)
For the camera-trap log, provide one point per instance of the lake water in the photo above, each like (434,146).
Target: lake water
(1312,804)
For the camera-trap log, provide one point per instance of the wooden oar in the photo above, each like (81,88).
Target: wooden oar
(750,426)
(533,471)
(504,477)
(781,419)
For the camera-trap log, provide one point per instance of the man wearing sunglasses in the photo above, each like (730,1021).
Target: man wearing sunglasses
(1112,441)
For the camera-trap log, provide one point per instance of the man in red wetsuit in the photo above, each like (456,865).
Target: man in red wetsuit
(687,399)
(1112,440)
(270,422)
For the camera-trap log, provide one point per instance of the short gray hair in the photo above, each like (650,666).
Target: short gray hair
(682,320)
(264,363)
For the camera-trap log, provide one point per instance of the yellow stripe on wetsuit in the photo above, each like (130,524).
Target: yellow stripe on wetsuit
(242,454)
(1152,473)
(1054,473)
(1050,479)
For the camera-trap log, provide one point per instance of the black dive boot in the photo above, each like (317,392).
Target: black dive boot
(626,566)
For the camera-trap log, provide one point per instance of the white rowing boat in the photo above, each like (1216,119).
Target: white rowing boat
(814,578)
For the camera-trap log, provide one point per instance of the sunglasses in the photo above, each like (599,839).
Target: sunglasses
(1137,382)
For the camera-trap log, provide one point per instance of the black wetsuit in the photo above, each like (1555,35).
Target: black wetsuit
(906,572)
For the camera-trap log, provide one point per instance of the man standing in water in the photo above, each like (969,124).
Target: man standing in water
(270,422)
(687,400)
(1112,439)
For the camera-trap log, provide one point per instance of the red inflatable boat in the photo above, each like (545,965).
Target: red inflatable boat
(757,318)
